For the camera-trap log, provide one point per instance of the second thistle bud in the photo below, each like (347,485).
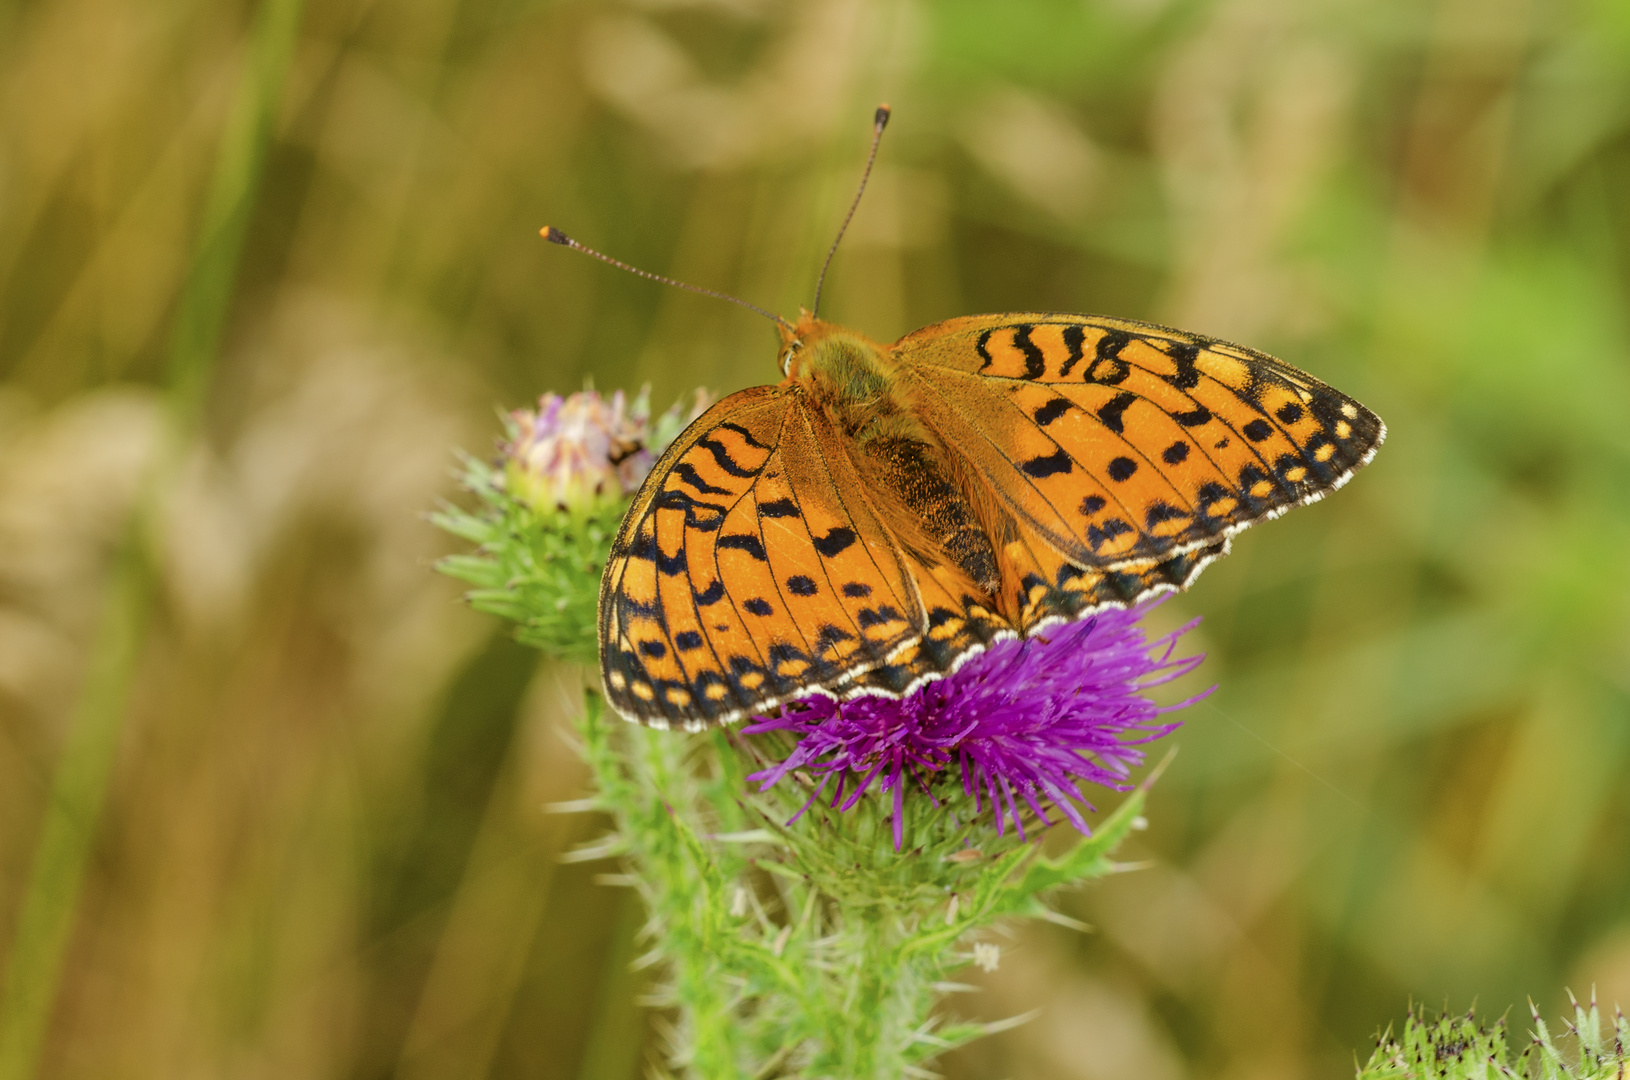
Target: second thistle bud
(580,452)
(549,507)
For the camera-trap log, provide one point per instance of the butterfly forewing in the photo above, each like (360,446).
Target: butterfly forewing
(1121,442)
(749,568)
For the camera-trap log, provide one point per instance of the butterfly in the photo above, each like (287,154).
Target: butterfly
(886,512)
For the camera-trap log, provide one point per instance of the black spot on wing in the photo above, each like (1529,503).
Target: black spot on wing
(801,585)
(1161,512)
(1051,465)
(710,595)
(1051,411)
(1107,366)
(857,589)
(757,605)
(1187,376)
(837,539)
(1099,535)
(687,641)
(1289,412)
(1176,453)
(1211,492)
(1121,468)
(1112,412)
(784,652)
(828,636)
(744,542)
(881,615)
(1258,429)
(1199,416)
(1091,505)
(778,508)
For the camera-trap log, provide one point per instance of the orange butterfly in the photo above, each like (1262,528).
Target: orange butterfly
(887,511)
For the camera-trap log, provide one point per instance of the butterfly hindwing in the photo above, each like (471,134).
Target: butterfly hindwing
(749,568)
(1123,442)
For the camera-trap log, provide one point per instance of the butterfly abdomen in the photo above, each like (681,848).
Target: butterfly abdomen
(916,474)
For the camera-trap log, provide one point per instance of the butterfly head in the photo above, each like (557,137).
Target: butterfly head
(812,345)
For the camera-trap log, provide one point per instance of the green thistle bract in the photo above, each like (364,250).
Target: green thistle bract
(548,508)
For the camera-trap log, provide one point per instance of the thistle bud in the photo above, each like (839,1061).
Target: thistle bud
(576,453)
(549,507)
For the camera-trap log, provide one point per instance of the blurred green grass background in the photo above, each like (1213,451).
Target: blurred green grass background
(323,851)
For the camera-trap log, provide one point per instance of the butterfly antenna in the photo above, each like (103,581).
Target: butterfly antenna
(555,236)
(880,120)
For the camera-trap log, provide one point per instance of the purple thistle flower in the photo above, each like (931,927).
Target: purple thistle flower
(1025,722)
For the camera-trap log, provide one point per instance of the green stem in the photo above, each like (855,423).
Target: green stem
(677,882)
(874,965)
(240,163)
(67,835)
(687,878)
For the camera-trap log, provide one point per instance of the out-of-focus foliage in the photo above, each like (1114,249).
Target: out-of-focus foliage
(323,851)
(1460,1048)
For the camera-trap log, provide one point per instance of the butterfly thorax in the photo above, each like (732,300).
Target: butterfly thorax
(853,381)
(849,376)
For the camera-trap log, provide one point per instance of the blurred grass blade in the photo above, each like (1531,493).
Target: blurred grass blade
(207,292)
(50,900)
(77,791)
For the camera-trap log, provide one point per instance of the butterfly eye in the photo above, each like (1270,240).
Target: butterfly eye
(786,357)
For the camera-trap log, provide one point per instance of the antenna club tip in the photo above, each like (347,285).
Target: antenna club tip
(555,236)
(881,117)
